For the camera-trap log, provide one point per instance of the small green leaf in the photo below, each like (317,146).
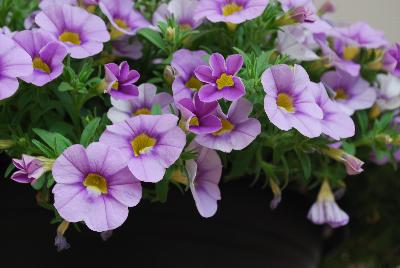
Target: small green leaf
(9,169)
(305,163)
(152,36)
(44,149)
(39,183)
(162,187)
(64,86)
(54,140)
(89,132)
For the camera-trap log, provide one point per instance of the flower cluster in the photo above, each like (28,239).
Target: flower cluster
(116,98)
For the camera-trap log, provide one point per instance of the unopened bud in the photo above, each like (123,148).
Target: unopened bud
(169,74)
(6,144)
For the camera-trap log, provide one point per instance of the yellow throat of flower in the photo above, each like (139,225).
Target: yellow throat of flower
(227,127)
(115,33)
(96,183)
(141,111)
(225,81)
(142,143)
(39,64)
(284,101)
(70,37)
(350,52)
(194,83)
(115,86)
(230,9)
(194,121)
(340,94)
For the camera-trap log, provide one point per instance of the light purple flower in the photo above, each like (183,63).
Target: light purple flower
(200,116)
(82,33)
(120,79)
(391,60)
(362,35)
(128,47)
(204,175)
(336,123)
(30,169)
(123,18)
(94,186)
(339,63)
(325,210)
(6,31)
(185,63)
(230,11)
(237,131)
(29,21)
(47,56)
(389,92)
(351,93)
(220,78)
(289,102)
(292,4)
(142,104)
(149,143)
(14,62)
(46,3)
(182,10)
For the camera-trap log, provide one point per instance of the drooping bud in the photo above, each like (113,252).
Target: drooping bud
(352,164)
(296,15)
(60,241)
(277,194)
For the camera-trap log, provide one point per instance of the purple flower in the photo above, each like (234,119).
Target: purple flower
(120,79)
(362,35)
(29,21)
(204,175)
(182,10)
(389,92)
(94,186)
(325,210)
(128,47)
(220,78)
(14,62)
(30,169)
(142,104)
(352,164)
(335,123)
(150,143)
(123,18)
(339,63)
(391,60)
(82,33)
(289,102)
(230,11)
(185,63)
(292,4)
(237,131)
(351,93)
(199,116)
(6,31)
(47,56)
(46,3)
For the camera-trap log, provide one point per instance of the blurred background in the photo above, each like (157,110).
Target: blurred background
(381,14)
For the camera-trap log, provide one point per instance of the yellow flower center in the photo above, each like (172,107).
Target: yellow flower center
(194,121)
(115,33)
(70,37)
(225,81)
(340,94)
(142,143)
(226,128)
(96,183)
(194,83)
(115,85)
(179,177)
(230,9)
(142,111)
(350,52)
(40,65)
(284,101)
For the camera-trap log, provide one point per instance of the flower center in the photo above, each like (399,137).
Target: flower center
(121,24)
(225,81)
(70,37)
(115,33)
(115,85)
(96,183)
(194,121)
(142,144)
(341,94)
(194,83)
(284,101)
(39,64)
(230,9)
(350,52)
(226,128)
(142,111)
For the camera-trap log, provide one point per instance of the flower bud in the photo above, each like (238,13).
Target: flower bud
(6,144)
(169,74)
(277,194)
(326,7)
(60,241)
(352,164)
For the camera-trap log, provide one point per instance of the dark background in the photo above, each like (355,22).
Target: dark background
(243,233)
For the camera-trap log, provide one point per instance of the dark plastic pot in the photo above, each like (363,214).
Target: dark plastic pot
(243,233)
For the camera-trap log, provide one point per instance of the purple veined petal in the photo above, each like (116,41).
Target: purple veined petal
(210,93)
(245,133)
(115,115)
(125,92)
(234,63)
(71,166)
(310,109)
(164,100)
(70,200)
(8,87)
(236,92)
(218,65)
(187,107)
(125,188)
(301,79)
(54,53)
(206,204)
(15,62)
(306,125)
(275,114)
(21,177)
(204,108)
(208,124)
(146,169)
(222,143)
(124,71)
(147,92)
(170,146)
(112,69)
(204,74)
(275,79)
(240,110)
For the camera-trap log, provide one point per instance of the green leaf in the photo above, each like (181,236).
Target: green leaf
(89,132)
(50,181)
(9,169)
(54,140)
(305,163)
(39,183)
(153,36)
(362,118)
(44,149)
(349,148)
(64,86)
(162,187)
(156,109)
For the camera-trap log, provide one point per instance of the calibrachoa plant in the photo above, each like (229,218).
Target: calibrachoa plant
(104,103)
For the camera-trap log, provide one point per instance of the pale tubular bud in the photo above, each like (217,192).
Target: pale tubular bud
(60,241)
